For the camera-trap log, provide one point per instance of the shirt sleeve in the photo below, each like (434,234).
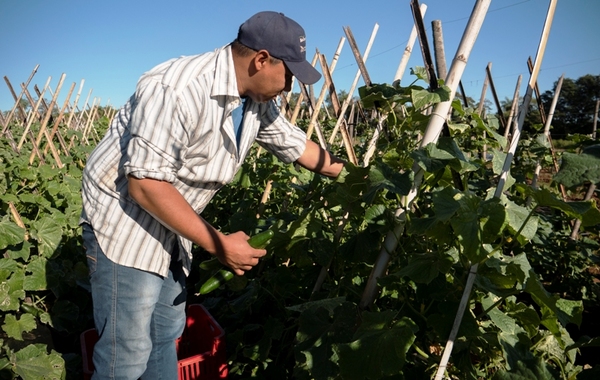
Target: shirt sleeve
(158,135)
(280,137)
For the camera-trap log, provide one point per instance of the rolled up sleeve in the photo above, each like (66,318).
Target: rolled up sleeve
(158,134)
(280,137)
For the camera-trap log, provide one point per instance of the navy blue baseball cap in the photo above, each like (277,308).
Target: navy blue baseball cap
(283,38)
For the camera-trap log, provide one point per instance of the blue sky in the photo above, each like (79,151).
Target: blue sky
(110,43)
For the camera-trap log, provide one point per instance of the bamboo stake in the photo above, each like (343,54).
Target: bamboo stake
(595,119)
(301,96)
(321,98)
(353,87)
(434,129)
(17,99)
(481,110)
(575,232)
(425,51)
(17,218)
(488,70)
(90,122)
(537,93)
(438,49)
(31,115)
(57,122)
(486,82)
(513,108)
(10,115)
(44,132)
(83,112)
(73,111)
(500,188)
(538,166)
(408,49)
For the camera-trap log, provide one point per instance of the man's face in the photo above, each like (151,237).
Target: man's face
(273,79)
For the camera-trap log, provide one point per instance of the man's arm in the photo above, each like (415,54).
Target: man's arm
(320,161)
(162,200)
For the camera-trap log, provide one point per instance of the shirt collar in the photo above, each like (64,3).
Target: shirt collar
(225,83)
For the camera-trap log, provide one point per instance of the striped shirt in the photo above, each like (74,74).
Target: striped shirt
(177,127)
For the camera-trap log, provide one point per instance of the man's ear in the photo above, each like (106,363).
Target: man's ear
(261,59)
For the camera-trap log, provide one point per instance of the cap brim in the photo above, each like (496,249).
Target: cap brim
(304,71)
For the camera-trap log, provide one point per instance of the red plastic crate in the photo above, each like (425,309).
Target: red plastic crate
(200,349)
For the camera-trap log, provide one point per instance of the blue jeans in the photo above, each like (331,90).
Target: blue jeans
(138,316)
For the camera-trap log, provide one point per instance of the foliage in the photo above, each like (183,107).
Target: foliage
(297,314)
(280,323)
(574,113)
(43,271)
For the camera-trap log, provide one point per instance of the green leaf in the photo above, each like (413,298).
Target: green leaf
(384,177)
(33,362)
(19,251)
(36,279)
(586,211)
(7,267)
(423,268)
(329,304)
(520,221)
(577,169)
(318,331)
(445,204)
(423,97)
(498,158)
(11,291)
(48,234)
(532,369)
(477,223)
(379,349)
(10,233)
(14,327)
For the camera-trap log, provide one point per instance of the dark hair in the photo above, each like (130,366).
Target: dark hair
(244,51)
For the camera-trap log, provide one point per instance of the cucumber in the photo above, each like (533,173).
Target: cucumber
(211,264)
(260,240)
(220,278)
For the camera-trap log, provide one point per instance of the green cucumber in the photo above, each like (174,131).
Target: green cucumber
(220,278)
(211,264)
(260,240)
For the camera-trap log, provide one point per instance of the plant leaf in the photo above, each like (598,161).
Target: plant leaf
(14,327)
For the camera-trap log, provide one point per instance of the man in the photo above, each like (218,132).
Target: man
(167,152)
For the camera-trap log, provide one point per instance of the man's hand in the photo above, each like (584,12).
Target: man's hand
(235,252)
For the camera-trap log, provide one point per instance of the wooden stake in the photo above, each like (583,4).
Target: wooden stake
(301,96)
(57,122)
(414,6)
(513,109)
(353,87)
(315,115)
(44,132)
(595,119)
(488,70)
(408,49)
(10,115)
(32,115)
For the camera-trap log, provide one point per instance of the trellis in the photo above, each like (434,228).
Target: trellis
(53,121)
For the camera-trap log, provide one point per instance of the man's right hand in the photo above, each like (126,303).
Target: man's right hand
(235,252)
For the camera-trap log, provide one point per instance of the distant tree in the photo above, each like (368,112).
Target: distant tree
(575,107)
(533,120)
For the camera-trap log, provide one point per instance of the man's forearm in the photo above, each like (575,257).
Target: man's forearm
(320,161)
(163,201)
